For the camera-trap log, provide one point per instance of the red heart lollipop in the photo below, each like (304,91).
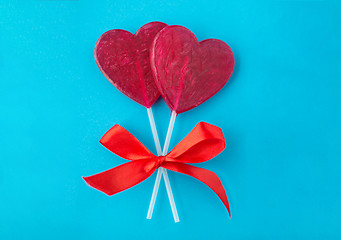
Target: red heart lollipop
(124,60)
(188,72)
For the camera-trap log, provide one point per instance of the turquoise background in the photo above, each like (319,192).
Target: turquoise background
(280,113)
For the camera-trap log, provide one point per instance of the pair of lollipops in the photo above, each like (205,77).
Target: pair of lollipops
(167,60)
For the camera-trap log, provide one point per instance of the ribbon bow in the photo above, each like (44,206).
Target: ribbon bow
(204,142)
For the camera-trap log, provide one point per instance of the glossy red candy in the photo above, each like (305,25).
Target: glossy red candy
(124,60)
(188,72)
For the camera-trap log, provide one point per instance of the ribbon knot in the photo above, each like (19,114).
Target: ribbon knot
(160,160)
(203,143)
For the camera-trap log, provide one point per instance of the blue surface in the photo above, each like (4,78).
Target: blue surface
(280,113)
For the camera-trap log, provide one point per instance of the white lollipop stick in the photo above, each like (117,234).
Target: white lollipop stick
(162,170)
(154,131)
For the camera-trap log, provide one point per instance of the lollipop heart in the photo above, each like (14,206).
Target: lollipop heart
(124,60)
(188,72)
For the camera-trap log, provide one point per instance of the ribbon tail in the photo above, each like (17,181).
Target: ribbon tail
(121,177)
(203,175)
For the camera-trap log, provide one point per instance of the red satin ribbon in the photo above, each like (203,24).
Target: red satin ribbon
(204,142)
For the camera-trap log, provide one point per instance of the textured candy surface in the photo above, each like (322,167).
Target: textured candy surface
(188,72)
(124,60)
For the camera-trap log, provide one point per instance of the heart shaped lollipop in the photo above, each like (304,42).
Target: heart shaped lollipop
(124,60)
(188,72)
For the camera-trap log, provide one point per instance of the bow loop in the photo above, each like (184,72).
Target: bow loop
(124,144)
(203,143)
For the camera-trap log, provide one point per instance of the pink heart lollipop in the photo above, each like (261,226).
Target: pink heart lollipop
(188,72)
(124,60)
